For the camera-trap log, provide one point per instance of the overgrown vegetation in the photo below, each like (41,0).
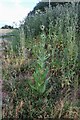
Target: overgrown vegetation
(41,71)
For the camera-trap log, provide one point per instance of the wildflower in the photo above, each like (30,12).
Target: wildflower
(42,27)
(37,11)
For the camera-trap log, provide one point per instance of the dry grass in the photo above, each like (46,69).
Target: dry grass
(5,31)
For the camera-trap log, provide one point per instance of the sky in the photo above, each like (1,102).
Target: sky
(14,11)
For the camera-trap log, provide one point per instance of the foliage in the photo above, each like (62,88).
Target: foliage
(7,27)
(41,71)
(43,17)
(41,77)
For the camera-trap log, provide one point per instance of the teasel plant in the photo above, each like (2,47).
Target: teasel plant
(41,70)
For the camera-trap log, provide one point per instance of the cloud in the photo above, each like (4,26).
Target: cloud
(12,11)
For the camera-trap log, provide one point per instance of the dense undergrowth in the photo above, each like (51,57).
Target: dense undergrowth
(41,73)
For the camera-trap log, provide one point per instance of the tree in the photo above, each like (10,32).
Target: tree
(7,27)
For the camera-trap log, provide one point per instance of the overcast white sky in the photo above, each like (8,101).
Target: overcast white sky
(15,10)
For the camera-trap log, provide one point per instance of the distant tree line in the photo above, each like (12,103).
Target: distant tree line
(41,6)
(7,27)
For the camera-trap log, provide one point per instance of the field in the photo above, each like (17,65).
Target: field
(41,73)
(4,31)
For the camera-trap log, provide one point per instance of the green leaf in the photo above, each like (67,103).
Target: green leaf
(43,86)
(32,86)
(44,74)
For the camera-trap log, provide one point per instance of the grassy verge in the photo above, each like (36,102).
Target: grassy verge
(41,75)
